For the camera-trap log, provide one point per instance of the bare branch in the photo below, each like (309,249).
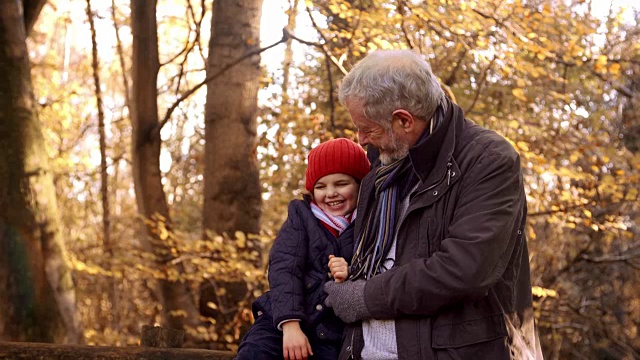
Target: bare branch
(560,210)
(331,102)
(480,85)
(125,80)
(400,7)
(322,46)
(326,52)
(612,257)
(616,85)
(186,94)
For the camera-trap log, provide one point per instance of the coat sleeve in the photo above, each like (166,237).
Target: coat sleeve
(481,238)
(286,269)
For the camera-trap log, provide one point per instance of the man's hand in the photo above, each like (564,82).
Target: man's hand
(347,300)
(339,268)
(295,345)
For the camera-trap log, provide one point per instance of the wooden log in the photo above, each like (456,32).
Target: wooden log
(17,350)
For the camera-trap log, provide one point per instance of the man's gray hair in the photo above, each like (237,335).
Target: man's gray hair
(387,80)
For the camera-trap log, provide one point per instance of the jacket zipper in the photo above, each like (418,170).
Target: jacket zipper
(353,335)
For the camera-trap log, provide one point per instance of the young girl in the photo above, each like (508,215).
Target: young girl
(291,320)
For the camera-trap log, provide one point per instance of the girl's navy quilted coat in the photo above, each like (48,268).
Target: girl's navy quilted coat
(298,269)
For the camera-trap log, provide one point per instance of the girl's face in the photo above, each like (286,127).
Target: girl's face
(336,194)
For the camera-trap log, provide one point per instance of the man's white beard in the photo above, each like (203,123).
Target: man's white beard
(397,150)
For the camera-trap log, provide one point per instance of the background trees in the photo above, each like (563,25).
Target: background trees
(558,78)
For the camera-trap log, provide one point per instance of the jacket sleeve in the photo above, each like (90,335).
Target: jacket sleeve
(286,269)
(481,238)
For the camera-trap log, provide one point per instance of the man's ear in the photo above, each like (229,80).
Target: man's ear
(407,121)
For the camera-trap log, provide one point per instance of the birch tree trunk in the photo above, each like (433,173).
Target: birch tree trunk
(38,294)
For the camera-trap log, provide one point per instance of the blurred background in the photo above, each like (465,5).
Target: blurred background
(148,150)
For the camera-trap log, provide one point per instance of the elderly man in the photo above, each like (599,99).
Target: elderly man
(441,268)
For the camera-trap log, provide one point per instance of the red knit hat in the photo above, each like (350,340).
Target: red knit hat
(336,156)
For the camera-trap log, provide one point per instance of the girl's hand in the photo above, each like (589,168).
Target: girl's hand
(295,345)
(339,268)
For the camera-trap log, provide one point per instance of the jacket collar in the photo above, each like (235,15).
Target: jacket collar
(429,157)
(431,152)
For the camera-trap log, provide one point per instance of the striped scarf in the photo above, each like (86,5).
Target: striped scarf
(374,241)
(338,223)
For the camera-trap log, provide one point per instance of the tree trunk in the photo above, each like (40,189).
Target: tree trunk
(38,294)
(107,244)
(152,204)
(32,9)
(231,180)
(288,52)
(123,67)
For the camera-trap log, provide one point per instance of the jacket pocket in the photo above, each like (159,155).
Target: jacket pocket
(468,332)
(261,306)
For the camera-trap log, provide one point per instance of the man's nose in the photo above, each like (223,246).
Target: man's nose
(363,140)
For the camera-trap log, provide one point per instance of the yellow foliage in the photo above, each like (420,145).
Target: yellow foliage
(543,292)
(519,94)
(632,195)
(523,145)
(602,60)
(178,313)
(614,69)
(577,51)
(574,157)
(241,239)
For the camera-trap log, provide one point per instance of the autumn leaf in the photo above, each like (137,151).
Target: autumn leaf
(614,69)
(602,60)
(519,94)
